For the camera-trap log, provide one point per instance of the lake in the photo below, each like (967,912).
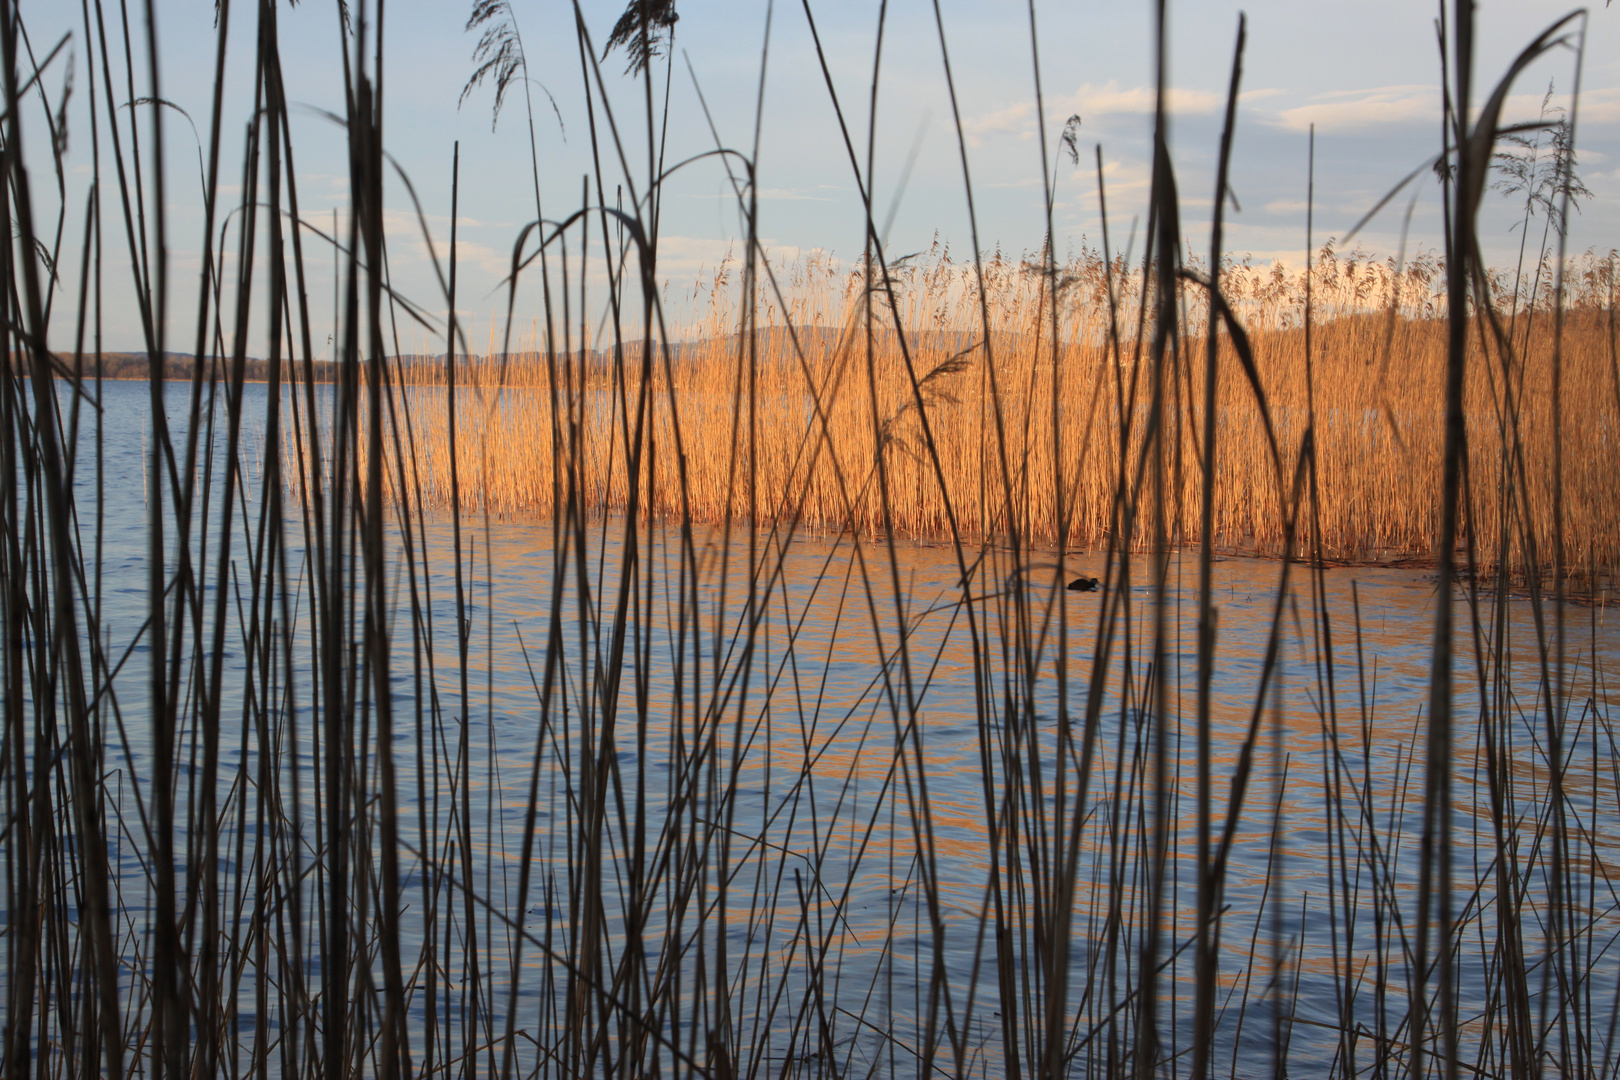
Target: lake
(831,806)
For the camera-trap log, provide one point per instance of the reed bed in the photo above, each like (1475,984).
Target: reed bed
(303,777)
(1379,357)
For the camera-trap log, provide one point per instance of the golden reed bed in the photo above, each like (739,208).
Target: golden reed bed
(792,432)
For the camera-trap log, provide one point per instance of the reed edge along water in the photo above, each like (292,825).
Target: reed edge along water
(1377,444)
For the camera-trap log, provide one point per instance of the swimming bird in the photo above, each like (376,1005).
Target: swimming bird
(1083,584)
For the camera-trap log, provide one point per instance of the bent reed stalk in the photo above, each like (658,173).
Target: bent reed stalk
(303,777)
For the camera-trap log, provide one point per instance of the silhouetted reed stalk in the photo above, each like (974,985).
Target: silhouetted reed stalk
(287,846)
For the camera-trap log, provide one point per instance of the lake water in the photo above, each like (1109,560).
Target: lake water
(815,798)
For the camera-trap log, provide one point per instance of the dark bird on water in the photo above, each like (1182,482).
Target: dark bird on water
(1083,584)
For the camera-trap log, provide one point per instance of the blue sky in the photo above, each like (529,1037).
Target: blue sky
(1367,74)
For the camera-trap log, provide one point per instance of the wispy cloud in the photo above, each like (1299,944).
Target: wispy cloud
(1352,111)
(1360,110)
(1111,98)
(1599,105)
(1285,206)
(1011,120)
(1093,104)
(494,261)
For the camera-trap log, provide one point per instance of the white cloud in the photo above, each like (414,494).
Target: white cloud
(496,262)
(1601,106)
(1014,118)
(1127,174)
(1358,110)
(1094,105)
(403,222)
(1111,98)
(1285,206)
(1384,106)
(686,256)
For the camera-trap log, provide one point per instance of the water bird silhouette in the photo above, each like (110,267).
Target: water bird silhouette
(1083,584)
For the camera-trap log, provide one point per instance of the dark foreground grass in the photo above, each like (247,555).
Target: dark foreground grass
(280,832)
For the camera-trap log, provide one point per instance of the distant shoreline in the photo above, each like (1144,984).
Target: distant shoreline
(135,367)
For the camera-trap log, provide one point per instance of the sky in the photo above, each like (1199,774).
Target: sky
(1366,74)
